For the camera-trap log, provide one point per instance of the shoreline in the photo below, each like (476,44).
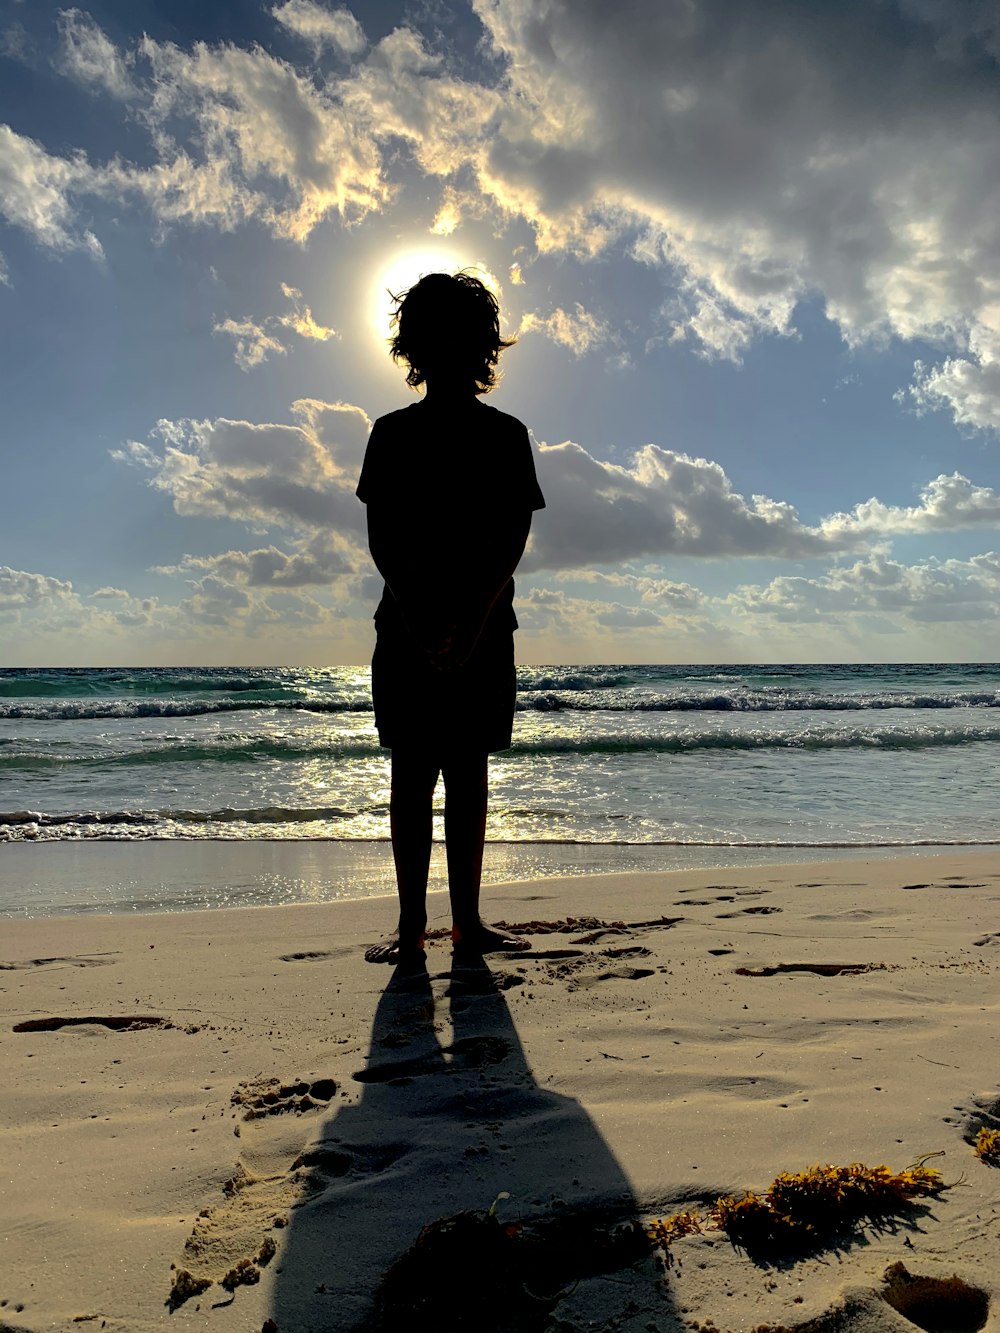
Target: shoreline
(123,878)
(226,1087)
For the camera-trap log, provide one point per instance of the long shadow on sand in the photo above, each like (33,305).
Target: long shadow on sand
(443,1128)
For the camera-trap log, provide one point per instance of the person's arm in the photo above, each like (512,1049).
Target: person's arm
(446,601)
(486,573)
(394,544)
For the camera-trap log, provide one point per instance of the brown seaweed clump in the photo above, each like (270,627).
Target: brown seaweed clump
(805,1210)
(987,1146)
(663,1231)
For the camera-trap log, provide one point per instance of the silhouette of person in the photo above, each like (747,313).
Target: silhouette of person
(450,487)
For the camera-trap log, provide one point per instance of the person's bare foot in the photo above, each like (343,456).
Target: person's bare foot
(481,938)
(397,949)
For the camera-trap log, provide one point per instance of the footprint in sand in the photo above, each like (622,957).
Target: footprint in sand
(261,1097)
(748,911)
(232,1241)
(71,960)
(592,969)
(820,969)
(612,974)
(116,1022)
(992,938)
(946,1304)
(595,929)
(982,1112)
(314,955)
(935,1303)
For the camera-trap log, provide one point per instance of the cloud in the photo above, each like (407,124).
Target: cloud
(131,612)
(402,92)
(253,342)
(967,386)
(300,319)
(661,502)
(578,330)
(38,604)
(664,502)
(21,590)
(255,339)
(90,57)
(929,593)
(286,148)
(35,189)
(627,617)
(665,593)
(761,155)
(321,27)
(947,504)
(213,601)
(320,562)
(300,477)
(16,44)
(751,159)
(4,273)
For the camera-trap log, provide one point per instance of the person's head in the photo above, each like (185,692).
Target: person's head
(447,327)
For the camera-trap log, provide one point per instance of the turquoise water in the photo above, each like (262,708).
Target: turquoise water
(717,756)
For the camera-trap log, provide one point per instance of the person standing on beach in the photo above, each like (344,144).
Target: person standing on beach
(450,487)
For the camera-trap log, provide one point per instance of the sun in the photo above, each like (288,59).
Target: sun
(405,266)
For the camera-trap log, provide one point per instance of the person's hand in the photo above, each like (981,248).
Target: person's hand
(451,647)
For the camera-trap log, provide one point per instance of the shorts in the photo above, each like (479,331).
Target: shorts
(469,709)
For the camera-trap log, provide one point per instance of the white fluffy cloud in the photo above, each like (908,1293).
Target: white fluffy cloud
(35,193)
(320,26)
(39,604)
(287,149)
(255,340)
(253,343)
(577,329)
(947,504)
(301,477)
(667,503)
(90,57)
(664,593)
(320,561)
(662,502)
(21,590)
(300,318)
(930,592)
(969,386)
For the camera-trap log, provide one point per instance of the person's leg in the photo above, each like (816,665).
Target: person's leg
(414,777)
(466,790)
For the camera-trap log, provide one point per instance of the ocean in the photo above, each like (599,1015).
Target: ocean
(633,758)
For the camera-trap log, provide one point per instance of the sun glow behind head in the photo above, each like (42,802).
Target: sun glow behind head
(405,267)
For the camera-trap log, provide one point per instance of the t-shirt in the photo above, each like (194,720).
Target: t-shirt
(447,474)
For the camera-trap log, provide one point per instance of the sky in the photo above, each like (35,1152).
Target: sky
(751,254)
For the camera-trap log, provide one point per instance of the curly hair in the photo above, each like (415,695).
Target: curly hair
(449,322)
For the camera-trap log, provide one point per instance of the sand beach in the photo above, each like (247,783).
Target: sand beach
(234,1097)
